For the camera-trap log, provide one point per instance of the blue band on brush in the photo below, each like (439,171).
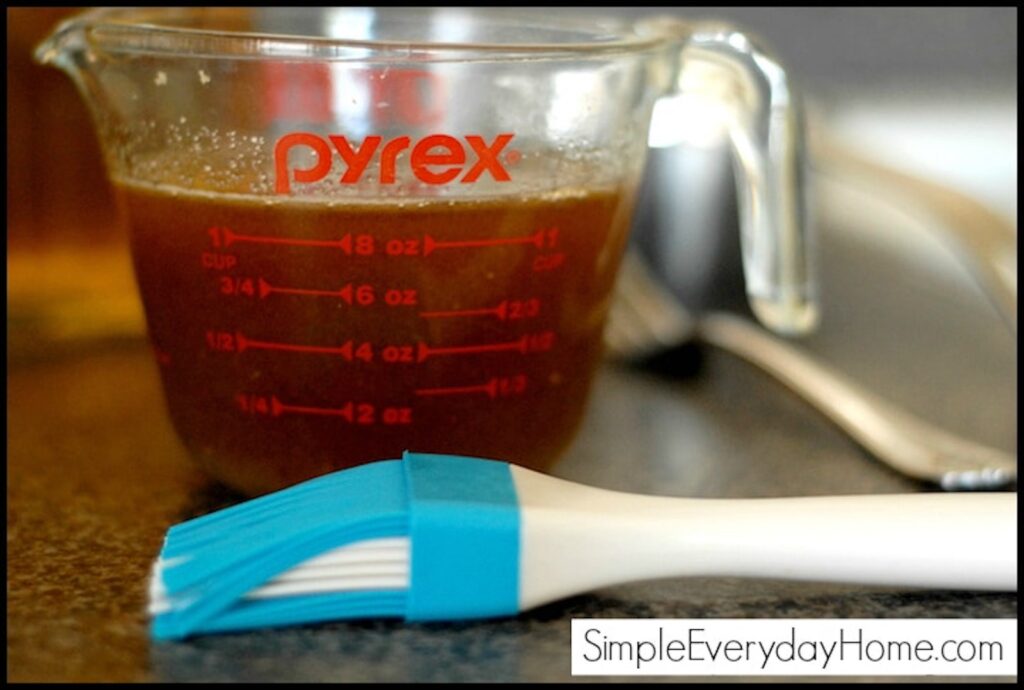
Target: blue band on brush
(464,530)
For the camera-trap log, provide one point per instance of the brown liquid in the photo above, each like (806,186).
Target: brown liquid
(298,337)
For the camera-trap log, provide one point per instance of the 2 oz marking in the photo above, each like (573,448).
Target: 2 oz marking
(362,413)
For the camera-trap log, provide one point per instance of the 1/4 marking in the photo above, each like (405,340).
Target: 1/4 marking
(362,413)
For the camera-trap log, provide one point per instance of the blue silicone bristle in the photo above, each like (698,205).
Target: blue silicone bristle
(459,514)
(256,514)
(236,555)
(361,493)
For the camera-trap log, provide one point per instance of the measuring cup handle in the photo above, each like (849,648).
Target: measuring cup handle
(723,67)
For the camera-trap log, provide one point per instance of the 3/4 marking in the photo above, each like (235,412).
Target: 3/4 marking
(356,295)
(266,289)
(238,286)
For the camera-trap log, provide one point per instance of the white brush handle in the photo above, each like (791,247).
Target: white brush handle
(577,538)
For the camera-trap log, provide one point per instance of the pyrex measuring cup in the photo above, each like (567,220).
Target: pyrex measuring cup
(359,231)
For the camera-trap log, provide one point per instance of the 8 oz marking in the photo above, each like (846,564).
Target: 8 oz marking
(366,245)
(402,248)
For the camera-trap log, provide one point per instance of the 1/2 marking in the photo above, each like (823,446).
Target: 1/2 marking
(237,342)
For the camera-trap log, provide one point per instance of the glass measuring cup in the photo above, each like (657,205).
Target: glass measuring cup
(360,231)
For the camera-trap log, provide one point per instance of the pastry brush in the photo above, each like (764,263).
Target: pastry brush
(440,537)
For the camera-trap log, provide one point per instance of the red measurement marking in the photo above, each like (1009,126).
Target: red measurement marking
(352,412)
(509,309)
(536,342)
(266,288)
(493,388)
(430,245)
(425,350)
(279,408)
(499,311)
(490,388)
(229,237)
(218,261)
(243,343)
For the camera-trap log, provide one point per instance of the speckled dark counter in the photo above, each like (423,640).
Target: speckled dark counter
(95,476)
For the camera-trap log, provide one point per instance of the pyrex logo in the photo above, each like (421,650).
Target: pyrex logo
(435,159)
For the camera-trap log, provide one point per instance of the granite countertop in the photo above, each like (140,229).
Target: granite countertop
(96,475)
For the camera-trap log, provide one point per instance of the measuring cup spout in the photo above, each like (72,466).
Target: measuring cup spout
(68,49)
(66,46)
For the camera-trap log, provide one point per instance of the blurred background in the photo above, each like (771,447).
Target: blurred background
(930,91)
